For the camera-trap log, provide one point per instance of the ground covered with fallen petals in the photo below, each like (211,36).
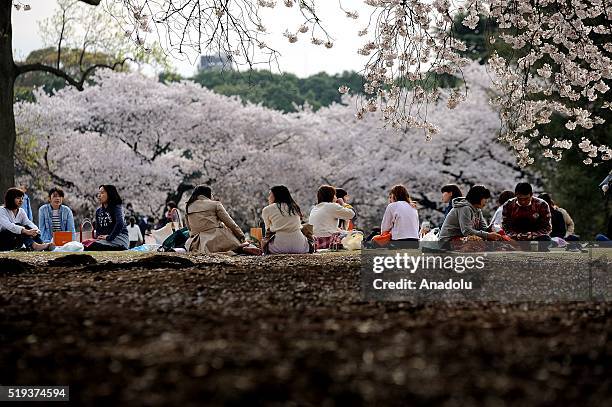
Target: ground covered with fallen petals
(179,330)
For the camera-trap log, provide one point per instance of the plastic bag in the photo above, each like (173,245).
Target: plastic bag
(431,236)
(145,248)
(353,240)
(162,234)
(73,246)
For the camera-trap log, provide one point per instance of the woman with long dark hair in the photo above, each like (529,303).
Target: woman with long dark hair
(211,229)
(111,231)
(283,220)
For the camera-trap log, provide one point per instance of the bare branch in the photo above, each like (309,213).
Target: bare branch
(77,83)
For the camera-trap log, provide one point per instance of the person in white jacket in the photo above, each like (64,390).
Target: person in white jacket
(325,215)
(401,217)
(134,233)
(496,221)
(16,230)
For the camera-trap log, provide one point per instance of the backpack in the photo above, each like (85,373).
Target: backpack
(176,239)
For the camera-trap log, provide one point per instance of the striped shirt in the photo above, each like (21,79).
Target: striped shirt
(56,220)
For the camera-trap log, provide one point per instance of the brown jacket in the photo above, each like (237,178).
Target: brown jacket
(211,229)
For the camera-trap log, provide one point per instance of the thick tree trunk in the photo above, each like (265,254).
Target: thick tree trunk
(7,117)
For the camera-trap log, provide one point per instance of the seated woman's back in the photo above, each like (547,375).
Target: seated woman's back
(278,219)
(211,229)
(402,219)
(324,218)
(283,220)
(205,214)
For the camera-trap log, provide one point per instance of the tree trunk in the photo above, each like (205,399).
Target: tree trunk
(7,116)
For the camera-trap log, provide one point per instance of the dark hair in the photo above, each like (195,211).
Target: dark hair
(113,196)
(523,188)
(10,196)
(132,219)
(453,189)
(283,196)
(477,193)
(504,197)
(171,204)
(326,193)
(59,191)
(341,193)
(548,199)
(400,193)
(198,191)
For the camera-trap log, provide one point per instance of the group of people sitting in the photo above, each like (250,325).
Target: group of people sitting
(17,230)
(213,230)
(520,217)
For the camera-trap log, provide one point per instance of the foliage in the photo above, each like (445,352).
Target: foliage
(573,187)
(77,37)
(280,92)
(72,60)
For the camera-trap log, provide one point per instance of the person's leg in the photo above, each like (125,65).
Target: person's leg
(544,243)
(104,246)
(36,243)
(375,231)
(10,240)
(409,243)
(322,242)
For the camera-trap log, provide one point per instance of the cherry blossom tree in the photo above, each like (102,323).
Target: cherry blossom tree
(150,138)
(560,62)
(10,70)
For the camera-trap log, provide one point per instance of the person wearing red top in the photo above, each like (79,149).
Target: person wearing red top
(526,217)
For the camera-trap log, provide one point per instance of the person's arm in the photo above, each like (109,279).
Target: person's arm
(507,221)
(545,225)
(344,213)
(22,218)
(28,208)
(45,233)
(6,224)
(266,218)
(70,221)
(569,222)
(140,238)
(387,221)
(466,224)
(117,215)
(229,222)
(497,217)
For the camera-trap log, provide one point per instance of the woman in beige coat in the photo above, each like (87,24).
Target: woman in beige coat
(211,229)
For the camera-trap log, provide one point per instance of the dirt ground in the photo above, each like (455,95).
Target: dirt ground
(212,330)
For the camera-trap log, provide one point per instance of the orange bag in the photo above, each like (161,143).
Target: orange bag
(256,233)
(382,239)
(61,238)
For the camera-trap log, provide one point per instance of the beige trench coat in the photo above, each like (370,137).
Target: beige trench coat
(211,229)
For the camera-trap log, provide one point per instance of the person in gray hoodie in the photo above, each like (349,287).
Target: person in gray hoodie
(465,218)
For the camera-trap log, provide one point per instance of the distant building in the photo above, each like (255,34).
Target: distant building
(214,62)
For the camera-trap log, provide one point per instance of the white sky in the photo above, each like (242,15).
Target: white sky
(301,58)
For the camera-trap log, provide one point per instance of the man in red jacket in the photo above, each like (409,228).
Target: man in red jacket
(526,217)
